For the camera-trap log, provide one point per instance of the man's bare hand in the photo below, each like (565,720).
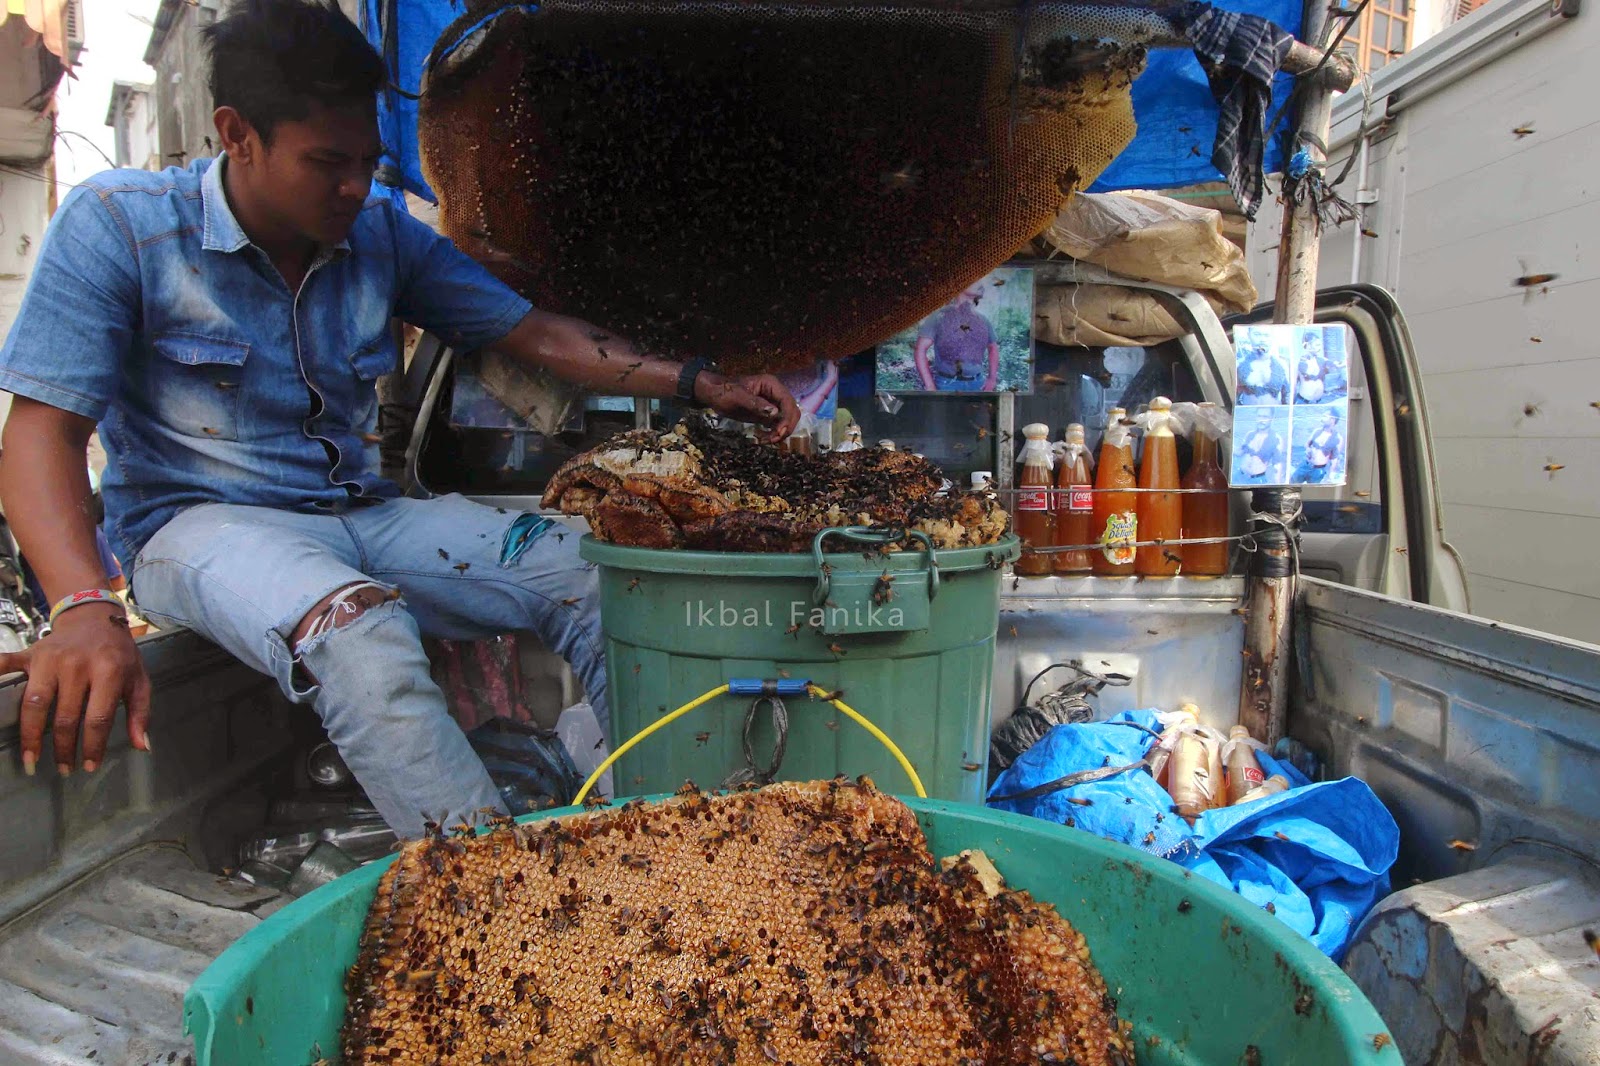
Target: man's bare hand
(759,398)
(84,668)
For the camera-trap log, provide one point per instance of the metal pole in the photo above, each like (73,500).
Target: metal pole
(1269,599)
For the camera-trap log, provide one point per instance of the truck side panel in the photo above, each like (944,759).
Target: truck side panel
(1476,176)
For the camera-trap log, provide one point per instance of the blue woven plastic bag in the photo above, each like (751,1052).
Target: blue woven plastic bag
(1318,855)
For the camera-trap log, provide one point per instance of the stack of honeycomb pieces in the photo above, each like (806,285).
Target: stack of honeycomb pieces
(801,923)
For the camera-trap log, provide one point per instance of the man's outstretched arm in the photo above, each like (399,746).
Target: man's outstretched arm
(89,663)
(603,363)
(445,290)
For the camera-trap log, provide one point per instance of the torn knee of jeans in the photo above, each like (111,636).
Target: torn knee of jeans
(338,610)
(523,531)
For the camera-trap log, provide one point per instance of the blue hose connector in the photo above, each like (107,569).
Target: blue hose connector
(755,686)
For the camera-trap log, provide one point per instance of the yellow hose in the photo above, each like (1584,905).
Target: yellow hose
(640,735)
(894,749)
(816,690)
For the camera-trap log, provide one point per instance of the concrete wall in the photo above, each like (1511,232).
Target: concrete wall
(135,127)
(24,202)
(1464,204)
(183,103)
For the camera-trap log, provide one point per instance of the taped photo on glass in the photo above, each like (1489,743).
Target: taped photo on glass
(1261,439)
(1263,365)
(1319,433)
(982,341)
(1321,366)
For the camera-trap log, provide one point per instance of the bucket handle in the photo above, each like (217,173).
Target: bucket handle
(816,691)
(869,535)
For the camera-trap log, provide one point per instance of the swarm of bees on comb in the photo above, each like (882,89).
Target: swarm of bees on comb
(800,923)
(709,490)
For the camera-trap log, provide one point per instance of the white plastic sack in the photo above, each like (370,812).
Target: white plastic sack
(580,734)
(1155,238)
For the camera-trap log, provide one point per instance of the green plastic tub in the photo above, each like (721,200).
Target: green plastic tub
(915,655)
(1203,976)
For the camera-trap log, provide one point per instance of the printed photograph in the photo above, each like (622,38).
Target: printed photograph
(816,389)
(1263,365)
(982,341)
(1321,367)
(1319,444)
(1260,447)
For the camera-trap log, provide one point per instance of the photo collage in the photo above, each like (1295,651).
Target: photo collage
(1292,405)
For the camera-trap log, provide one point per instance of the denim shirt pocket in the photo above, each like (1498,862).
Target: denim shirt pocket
(195,383)
(377,357)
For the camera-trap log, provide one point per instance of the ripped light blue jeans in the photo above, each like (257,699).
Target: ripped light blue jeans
(244,577)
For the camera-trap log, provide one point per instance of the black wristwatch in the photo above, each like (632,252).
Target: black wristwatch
(686,378)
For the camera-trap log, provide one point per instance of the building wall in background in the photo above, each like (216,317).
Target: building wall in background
(132,118)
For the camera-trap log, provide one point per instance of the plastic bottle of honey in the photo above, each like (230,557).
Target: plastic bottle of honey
(1160,513)
(1115,519)
(1032,519)
(1205,514)
(1270,787)
(1194,772)
(1243,769)
(1074,502)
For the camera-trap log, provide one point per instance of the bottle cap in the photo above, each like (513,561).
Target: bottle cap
(1036,431)
(1074,433)
(982,478)
(1160,403)
(1238,732)
(886,445)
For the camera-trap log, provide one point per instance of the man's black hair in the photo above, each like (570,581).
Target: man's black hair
(274,60)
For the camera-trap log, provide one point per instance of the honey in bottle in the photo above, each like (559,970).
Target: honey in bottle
(1033,521)
(1194,772)
(1115,519)
(1242,767)
(1160,513)
(1074,502)
(1205,513)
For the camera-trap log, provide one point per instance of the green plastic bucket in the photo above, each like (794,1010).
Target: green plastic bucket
(1204,976)
(908,636)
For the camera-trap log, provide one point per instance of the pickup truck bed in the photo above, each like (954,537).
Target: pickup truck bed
(1469,731)
(97,973)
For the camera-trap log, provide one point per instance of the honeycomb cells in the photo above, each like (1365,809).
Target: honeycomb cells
(799,923)
(723,492)
(762,184)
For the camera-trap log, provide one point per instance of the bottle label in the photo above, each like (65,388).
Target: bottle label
(1122,530)
(1033,500)
(1253,776)
(1080,499)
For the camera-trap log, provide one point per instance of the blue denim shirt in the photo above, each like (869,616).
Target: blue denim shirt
(150,311)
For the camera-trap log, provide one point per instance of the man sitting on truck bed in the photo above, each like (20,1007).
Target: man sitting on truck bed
(225,325)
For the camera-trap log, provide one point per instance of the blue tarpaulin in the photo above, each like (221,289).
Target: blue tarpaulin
(1317,855)
(1177,115)
(1176,111)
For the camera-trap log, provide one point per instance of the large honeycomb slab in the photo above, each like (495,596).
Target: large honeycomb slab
(799,923)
